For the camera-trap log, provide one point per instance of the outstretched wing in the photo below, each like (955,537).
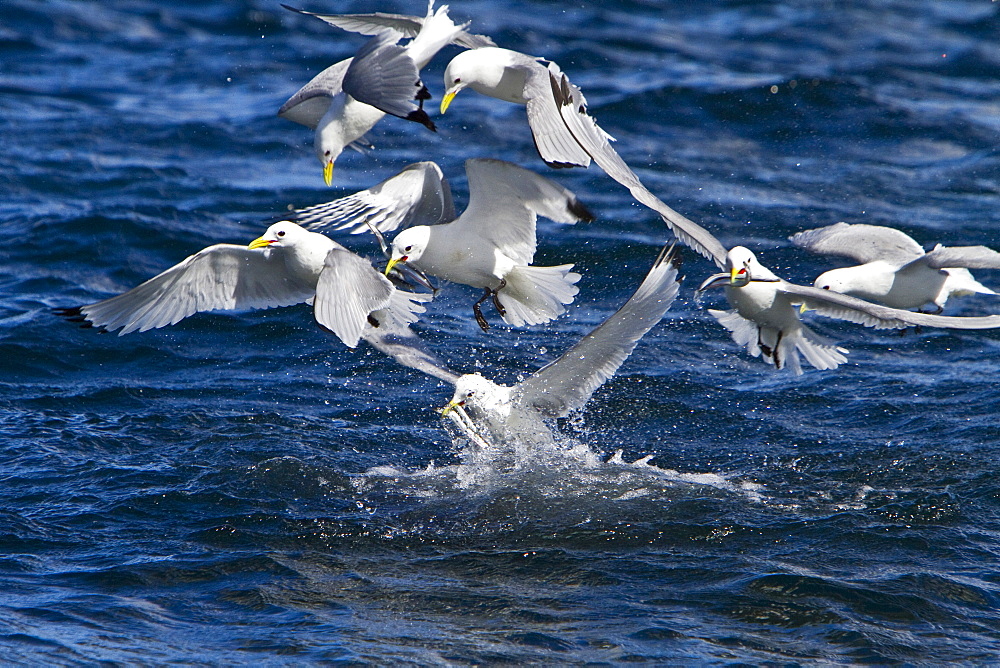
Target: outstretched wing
(418,195)
(349,289)
(311,102)
(220,277)
(968,257)
(860,242)
(373,24)
(845,307)
(568,383)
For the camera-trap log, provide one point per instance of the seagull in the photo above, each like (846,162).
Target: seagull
(418,195)
(347,99)
(765,315)
(286,265)
(490,414)
(492,244)
(565,134)
(895,270)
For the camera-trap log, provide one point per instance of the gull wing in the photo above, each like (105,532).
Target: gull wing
(347,292)
(220,277)
(845,307)
(383,75)
(554,141)
(373,24)
(860,242)
(572,108)
(418,195)
(401,344)
(568,383)
(968,257)
(505,200)
(311,102)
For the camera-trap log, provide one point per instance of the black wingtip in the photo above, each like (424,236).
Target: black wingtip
(580,210)
(420,116)
(75,314)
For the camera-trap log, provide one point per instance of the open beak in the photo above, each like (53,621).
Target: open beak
(328,173)
(451,406)
(448,97)
(259,242)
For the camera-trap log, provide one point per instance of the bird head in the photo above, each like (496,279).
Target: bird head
(282,234)
(408,246)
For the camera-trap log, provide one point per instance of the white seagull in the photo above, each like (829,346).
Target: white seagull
(564,133)
(492,244)
(765,315)
(895,270)
(491,414)
(286,265)
(347,99)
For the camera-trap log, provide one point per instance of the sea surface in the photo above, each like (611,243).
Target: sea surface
(240,488)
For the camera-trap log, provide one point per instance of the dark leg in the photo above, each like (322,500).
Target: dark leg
(496,302)
(483,325)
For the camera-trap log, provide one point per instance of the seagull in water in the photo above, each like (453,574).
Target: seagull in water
(492,244)
(564,133)
(286,265)
(490,414)
(765,315)
(895,270)
(347,99)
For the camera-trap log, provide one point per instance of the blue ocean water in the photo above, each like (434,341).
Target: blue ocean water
(242,488)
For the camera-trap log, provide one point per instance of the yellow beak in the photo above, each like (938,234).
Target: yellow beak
(259,242)
(451,406)
(392,263)
(733,273)
(446,100)
(328,173)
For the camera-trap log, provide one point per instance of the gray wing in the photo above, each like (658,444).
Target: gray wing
(373,24)
(401,344)
(311,102)
(347,292)
(860,242)
(383,75)
(568,383)
(968,257)
(504,200)
(418,195)
(572,108)
(220,277)
(852,309)
(554,141)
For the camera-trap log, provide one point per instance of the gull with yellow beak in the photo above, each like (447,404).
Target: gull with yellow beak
(492,244)
(765,315)
(286,265)
(490,414)
(565,134)
(347,99)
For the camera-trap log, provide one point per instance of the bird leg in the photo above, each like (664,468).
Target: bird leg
(496,301)
(483,325)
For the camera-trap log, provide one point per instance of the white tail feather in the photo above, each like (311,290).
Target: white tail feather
(534,295)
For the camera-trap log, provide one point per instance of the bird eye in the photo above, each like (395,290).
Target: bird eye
(281,233)
(408,248)
(326,153)
(826,287)
(458,79)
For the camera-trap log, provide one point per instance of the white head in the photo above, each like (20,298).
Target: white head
(482,68)
(283,234)
(474,391)
(329,141)
(743,267)
(408,246)
(835,280)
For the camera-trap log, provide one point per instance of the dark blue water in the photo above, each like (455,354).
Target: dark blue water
(241,488)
